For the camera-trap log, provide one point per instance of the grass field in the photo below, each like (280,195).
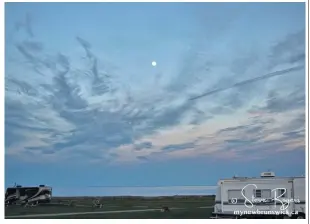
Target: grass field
(118,208)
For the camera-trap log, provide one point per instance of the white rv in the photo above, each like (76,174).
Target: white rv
(266,196)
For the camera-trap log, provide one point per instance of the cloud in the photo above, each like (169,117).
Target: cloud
(26,24)
(144,145)
(277,104)
(251,73)
(179,147)
(289,50)
(256,138)
(63,108)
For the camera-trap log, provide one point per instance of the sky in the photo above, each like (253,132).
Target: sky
(85,108)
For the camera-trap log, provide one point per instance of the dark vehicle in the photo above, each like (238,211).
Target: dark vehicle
(28,195)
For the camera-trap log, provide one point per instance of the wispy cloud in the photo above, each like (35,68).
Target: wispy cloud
(60,108)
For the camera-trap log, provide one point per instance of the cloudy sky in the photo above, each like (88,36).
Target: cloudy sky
(85,107)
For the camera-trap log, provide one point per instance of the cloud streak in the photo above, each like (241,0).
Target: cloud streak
(245,82)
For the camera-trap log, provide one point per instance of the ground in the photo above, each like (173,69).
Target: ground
(193,207)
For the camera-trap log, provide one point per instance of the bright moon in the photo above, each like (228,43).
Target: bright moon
(154,63)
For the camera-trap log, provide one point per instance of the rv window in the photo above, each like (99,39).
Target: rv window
(45,192)
(262,193)
(11,191)
(258,193)
(31,191)
(281,193)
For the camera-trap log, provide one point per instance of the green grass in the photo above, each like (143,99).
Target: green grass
(190,209)
(173,214)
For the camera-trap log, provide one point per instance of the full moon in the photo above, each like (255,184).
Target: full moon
(154,63)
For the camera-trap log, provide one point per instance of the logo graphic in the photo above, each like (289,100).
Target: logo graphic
(234,200)
(277,199)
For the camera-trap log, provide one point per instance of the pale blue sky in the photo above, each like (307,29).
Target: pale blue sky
(84,105)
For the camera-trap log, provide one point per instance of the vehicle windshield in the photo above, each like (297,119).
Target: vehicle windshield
(10,191)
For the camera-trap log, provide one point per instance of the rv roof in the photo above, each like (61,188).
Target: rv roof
(258,178)
(28,187)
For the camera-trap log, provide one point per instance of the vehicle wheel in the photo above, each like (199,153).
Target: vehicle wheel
(286,217)
(300,217)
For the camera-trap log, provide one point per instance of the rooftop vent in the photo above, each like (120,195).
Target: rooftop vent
(267,174)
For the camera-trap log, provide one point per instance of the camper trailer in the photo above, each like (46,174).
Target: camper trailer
(28,195)
(266,196)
